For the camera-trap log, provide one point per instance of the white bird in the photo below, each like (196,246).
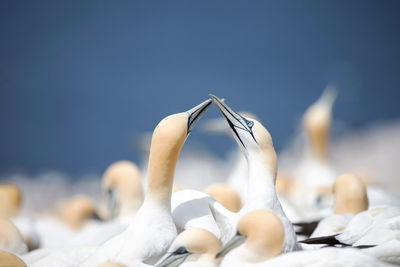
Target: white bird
(313,174)
(10,206)
(238,175)
(192,248)
(375,228)
(151,233)
(124,196)
(350,198)
(256,145)
(327,257)
(122,182)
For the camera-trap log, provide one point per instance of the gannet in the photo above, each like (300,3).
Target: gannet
(329,257)
(124,194)
(75,211)
(313,176)
(350,198)
(11,239)
(225,195)
(238,175)
(368,228)
(10,260)
(10,206)
(122,182)
(152,231)
(256,144)
(192,248)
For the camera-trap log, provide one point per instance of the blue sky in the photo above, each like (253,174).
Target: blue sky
(80,79)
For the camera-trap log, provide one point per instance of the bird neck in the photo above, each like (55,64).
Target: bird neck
(261,185)
(162,161)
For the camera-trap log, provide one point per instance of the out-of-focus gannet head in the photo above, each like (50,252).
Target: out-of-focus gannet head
(122,183)
(11,239)
(192,245)
(317,123)
(262,233)
(167,140)
(350,194)
(10,260)
(225,195)
(111,264)
(76,210)
(10,200)
(251,136)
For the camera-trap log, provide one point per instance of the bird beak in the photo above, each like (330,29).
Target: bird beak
(196,113)
(236,241)
(172,260)
(234,119)
(111,203)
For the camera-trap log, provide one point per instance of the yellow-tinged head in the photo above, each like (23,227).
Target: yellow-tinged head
(122,181)
(76,210)
(10,200)
(264,233)
(317,122)
(225,195)
(350,194)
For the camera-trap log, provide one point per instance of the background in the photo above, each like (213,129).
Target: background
(81,80)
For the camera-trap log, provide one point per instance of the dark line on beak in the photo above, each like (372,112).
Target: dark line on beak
(233,129)
(190,121)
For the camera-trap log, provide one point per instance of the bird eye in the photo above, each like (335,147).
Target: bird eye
(250,124)
(181,250)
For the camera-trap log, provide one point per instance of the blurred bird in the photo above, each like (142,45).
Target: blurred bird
(313,176)
(10,207)
(76,211)
(122,182)
(225,195)
(350,198)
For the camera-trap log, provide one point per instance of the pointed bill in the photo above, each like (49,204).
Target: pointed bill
(236,241)
(196,113)
(172,259)
(234,119)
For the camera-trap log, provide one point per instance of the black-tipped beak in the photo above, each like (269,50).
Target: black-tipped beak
(196,113)
(234,119)
(173,259)
(236,241)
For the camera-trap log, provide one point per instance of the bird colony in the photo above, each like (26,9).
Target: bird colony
(307,215)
